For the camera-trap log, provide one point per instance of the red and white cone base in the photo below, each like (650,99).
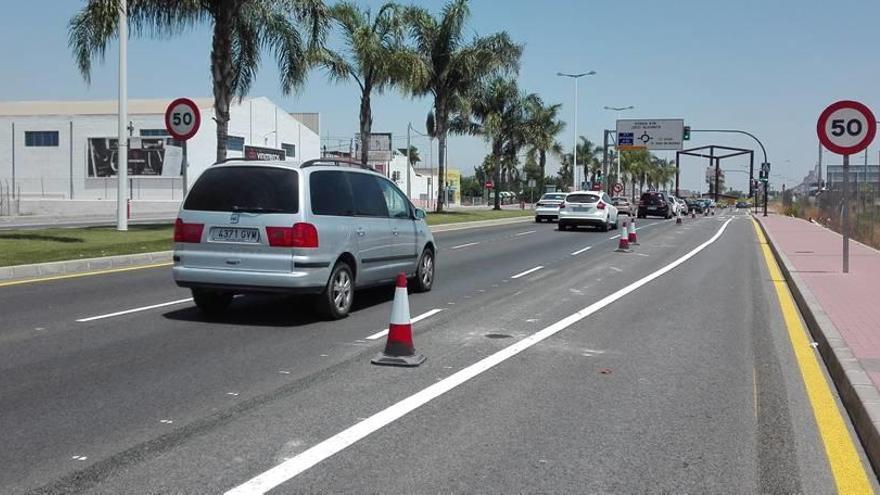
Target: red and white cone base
(623,243)
(631,236)
(399,348)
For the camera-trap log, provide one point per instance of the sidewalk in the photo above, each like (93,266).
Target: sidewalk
(841,310)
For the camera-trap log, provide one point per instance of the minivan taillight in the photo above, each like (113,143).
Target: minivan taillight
(188,232)
(562,205)
(601,205)
(301,235)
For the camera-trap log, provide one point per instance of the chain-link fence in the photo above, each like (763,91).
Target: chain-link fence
(826,208)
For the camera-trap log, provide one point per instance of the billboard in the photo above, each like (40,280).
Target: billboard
(650,134)
(260,153)
(380,147)
(150,157)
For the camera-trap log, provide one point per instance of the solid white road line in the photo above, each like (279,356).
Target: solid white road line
(464,245)
(292,467)
(614,237)
(382,333)
(524,233)
(530,270)
(135,310)
(579,251)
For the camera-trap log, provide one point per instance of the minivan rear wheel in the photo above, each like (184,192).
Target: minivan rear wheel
(335,301)
(211,302)
(424,279)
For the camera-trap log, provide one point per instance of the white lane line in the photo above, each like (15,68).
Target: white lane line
(525,233)
(614,237)
(135,310)
(530,270)
(584,250)
(464,245)
(292,467)
(380,334)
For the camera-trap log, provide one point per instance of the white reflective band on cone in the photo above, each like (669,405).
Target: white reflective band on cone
(400,307)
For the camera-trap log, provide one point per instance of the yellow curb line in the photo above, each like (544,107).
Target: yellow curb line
(850,475)
(83,274)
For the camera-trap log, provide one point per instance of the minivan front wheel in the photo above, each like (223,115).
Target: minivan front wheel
(211,302)
(425,272)
(335,302)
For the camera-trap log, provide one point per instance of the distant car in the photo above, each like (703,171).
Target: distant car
(623,205)
(742,204)
(547,207)
(678,206)
(655,204)
(694,205)
(593,208)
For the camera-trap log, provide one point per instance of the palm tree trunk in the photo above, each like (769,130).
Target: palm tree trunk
(496,155)
(366,124)
(222,75)
(442,118)
(542,162)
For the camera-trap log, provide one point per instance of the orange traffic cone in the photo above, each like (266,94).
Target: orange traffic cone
(399,348)
(623,243)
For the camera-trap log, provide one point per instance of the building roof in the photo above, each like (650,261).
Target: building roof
(102,107)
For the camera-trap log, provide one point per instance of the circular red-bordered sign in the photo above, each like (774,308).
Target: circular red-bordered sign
(618,188)
(846,127)
(182,119)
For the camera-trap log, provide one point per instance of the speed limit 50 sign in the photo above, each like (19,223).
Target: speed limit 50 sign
(182,119)
(846,127)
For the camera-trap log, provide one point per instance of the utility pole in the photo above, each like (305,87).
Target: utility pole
(122,143)
(408,160)
(574,167)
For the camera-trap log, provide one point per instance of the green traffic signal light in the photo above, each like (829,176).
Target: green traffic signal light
(686,135)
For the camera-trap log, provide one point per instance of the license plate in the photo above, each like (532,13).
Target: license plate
(227,234)
(652,207)
(581,208)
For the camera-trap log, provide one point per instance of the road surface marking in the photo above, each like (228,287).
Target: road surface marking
(135,310)
(380,334)
(618,270)
(524,233)
(83,274)
(523,274)
(584,250)
(614,237)
(290,468)
(464,245)
(849,474)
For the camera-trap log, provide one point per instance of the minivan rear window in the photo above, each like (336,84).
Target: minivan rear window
(582,198)
(247,188)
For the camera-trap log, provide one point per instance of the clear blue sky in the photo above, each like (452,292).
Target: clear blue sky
(768,66)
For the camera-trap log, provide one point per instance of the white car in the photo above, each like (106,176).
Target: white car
(547,208)
(679,206)
(593,208)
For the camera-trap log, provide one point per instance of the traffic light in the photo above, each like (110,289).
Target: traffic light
(599,176)
(686,135)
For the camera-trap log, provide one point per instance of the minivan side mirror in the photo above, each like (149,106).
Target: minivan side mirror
(420,214)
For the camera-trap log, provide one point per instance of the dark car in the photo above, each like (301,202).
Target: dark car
(742,204)
(655,204)
(695,205)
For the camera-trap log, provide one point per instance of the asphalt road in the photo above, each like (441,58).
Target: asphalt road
(687,383)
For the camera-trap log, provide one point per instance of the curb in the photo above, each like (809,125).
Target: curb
(70,267)
(20,272)
(857,392)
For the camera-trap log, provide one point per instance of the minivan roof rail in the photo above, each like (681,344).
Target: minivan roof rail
(337,162)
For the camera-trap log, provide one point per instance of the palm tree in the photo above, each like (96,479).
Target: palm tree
(497,114)
(454,65)
(375,57)
(242,29)
(542,127)
(412,153)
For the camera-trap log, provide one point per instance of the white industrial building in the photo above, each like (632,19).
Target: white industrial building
(52,152)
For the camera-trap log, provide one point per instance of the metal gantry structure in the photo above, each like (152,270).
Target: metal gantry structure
(716,153)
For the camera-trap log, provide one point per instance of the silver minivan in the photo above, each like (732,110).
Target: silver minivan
(323,228)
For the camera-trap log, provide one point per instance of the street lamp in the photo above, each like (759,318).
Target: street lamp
(618,110)
(574,169)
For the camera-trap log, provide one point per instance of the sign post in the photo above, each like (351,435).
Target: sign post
(182,121)
(846,127)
